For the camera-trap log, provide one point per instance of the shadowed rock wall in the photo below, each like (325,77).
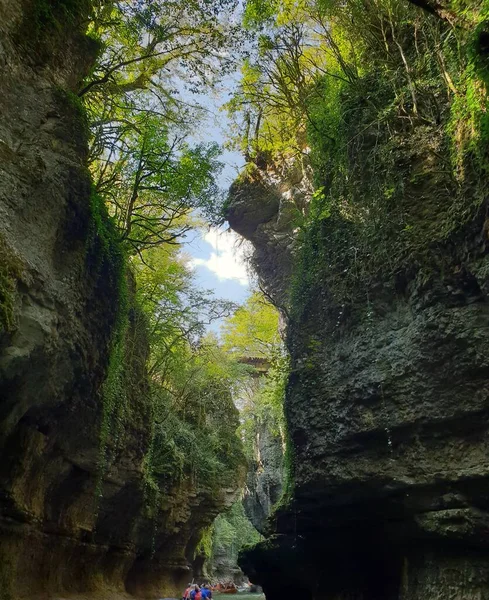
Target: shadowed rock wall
(264,479)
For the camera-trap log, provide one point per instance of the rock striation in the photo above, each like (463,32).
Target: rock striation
(74,516)
(266,207)
(264,480)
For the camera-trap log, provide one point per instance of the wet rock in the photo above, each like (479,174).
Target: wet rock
(265,478)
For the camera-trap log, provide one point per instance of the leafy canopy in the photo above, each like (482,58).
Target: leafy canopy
(253,330)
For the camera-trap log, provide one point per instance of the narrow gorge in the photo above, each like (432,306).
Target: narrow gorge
(328,433)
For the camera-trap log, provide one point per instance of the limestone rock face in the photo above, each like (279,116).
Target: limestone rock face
(71,520)
(266,208)
(388,418)
(225,569)
(388,414)
(264,480)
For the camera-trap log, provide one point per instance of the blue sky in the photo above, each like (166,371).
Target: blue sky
(219,264)
(218,254)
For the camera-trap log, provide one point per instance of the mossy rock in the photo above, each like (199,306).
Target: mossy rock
(11,269)
(44,29)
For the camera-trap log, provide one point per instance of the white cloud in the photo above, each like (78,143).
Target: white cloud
(227,259)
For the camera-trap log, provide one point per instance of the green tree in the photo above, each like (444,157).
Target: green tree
(231,531)
(178,311)
(294,48)
(149,45)
(142,162)
(191,378)
(253,330)
(151,179)
(251,333)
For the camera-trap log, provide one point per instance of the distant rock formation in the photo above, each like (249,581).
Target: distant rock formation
(265,478)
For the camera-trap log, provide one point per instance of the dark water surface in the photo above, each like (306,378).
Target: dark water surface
(239,596)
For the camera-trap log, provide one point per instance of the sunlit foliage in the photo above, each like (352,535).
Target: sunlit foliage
(253,330)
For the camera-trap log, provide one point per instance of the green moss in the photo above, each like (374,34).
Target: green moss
(80,113)
(468,126)
(114,395)
(52,29)
(114,391)
(106,262)
(105,254)
(45,19)
(76,123)
(389,198)
(10,271)
(114,404)
(232,531)
(204,547)
(288,486)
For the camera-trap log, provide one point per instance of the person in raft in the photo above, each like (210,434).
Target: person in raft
(186,593)
(206,592)
(196,594)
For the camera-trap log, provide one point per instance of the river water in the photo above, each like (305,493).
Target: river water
(240,596)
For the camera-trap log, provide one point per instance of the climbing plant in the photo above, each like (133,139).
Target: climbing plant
(385,105)
(231,531)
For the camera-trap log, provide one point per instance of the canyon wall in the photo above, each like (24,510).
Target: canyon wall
(76,513)
(264,480)
(387,403)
